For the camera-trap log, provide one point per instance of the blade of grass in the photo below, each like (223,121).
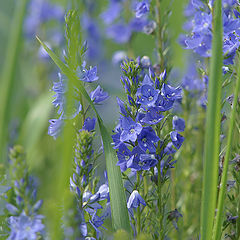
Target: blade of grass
(9,71)
(212,136)
(119,210)
(222,192)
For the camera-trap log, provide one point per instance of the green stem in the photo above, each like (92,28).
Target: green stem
(213,121)
(9,71)
(138,209)
(217,228)
(238,214)
(159,41)
(159,203)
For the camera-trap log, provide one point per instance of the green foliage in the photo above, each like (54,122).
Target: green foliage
(9,70)
(212,136)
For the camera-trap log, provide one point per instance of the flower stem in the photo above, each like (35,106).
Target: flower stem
(160,203)
(138,209)
(159,41)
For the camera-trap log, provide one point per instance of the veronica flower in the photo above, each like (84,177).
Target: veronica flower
(98,95)
(142,8)
(178,123)
(147,138)
(130,129)
(24,227)
(135,200)
(177,139)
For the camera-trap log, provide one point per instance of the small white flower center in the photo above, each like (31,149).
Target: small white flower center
(132,131)
(150,98)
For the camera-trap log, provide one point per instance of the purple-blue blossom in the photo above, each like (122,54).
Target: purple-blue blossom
(98,95)
(177,139)
(135,200)
(147,139)
(142,8)
(148,95)
(178,124)
(55,127)
(130,128)
(89,124)
(119,32)
(24,227)
(87,75)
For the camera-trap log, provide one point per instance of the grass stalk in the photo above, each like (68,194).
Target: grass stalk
(9,70)
(212,136)
(222,192)
(120,217)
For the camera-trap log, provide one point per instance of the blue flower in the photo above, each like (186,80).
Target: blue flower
(174,216)
(89,124)
(130,129)
(133,162)
(113,12)
(177,139)
(142,9)
(148,95)
(138,24)
(59,88)
(98,95)
(25,227)
(55,127)
(40,12)
(169,149)
(135,200)
(103,192)
(147,138)
(119,32)
(147,161)
(87,75)
(164,104)
(153,116)
(118,57)
(178,123)
(124,155)
(171,93)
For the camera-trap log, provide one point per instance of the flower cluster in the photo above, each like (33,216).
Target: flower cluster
(88,202)
(200,25)
(137,21)
(24,221)
(137,137)
(60,88)
(143,141)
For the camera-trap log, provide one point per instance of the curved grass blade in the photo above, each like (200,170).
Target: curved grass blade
(119,210)
(222,192)
(212,136)
(9,70)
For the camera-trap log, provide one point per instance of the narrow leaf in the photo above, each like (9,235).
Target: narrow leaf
(9,70)
(212,136)
(222,192)
(119,210)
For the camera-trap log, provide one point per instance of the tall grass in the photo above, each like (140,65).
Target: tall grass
(222,192)
(212,136)
(9,70)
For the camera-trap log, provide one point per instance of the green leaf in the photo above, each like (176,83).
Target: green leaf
(119,210)
(212,136)
(9,68)
(222,193)
(35,124)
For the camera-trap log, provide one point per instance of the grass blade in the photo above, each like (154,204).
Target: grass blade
(119,210)
(221,198)
(212,136)
(9,71)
